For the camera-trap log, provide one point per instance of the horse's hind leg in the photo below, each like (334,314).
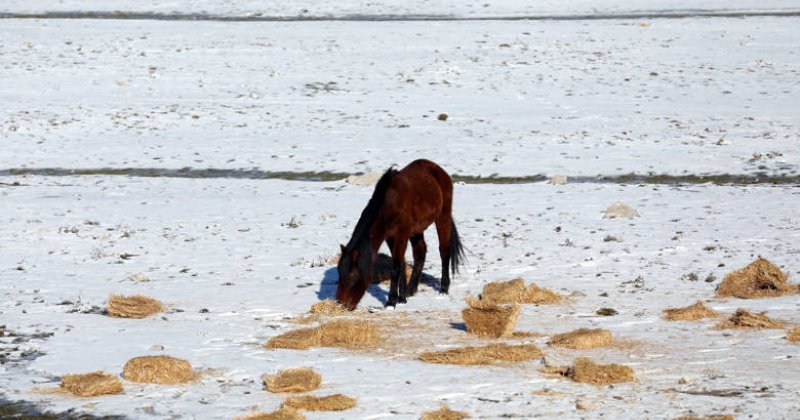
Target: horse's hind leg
(419,249)
(444,230)
(397,289)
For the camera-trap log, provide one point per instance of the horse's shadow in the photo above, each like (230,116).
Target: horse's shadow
(330,281)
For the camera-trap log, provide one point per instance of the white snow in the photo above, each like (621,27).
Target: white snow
(234,258)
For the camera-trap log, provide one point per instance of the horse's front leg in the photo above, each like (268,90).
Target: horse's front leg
(419,249)
(397,289)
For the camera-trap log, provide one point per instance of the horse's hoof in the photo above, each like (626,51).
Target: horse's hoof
(389,308)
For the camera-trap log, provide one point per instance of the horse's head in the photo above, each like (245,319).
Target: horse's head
(353,277)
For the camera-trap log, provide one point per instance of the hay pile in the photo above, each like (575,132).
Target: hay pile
(296,379)
(444,413)
(347,333)
(759,279)
(336,402)
(281,414)
(585,371)
(581,339)
(690,313)
(136,306)
(328,307)
(158,370)
(91,384)
(488,320)
(483,355)
(515,291)
(794,335)
(744,319)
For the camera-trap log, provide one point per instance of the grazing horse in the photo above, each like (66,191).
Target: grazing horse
(403,205)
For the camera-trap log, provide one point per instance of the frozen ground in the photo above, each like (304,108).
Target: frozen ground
(234,258)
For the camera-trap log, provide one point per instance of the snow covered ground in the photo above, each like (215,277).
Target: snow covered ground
(234,258)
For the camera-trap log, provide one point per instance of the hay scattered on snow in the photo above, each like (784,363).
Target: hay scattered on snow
(585,371)
(690,313)
(515,291)
(158,370)
(758,279)
(347,333)
(583,338)
(136,306)
(488,320)
(336,402)
(91,384)
(620,210)
(444,413)
(328,307)
(285,413)
(744,319)
(483,355)
(794,335)
(296,379)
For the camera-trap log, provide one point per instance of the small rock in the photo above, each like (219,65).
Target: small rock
(558,180)
(620,210)
(443,117)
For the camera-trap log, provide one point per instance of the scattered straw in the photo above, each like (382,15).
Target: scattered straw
(444,413)
(336,402)
(296,339)
(328,307)
(585,371)
(285,413)
(690,313)
(91,384)
(745,319)
(515,291)
(483,355)
(487,320)
(347,333)
(759,279)
(297,379)
(583,338)
(794,335)
(158,370)
(137,306)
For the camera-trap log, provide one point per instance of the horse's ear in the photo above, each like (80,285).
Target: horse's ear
(342,246)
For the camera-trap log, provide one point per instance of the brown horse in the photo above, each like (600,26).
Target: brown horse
(402,206)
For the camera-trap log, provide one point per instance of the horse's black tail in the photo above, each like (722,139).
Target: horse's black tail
(456,249)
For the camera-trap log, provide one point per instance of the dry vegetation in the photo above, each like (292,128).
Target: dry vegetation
(759,279)
(794,335)
(582,339)
(345,333)
(158,370)
(336,402)
(297,379)
(444,413)
(584,370)
(515,291)
(136,306)
(690,313)
(284,413)
(744,319)
(91,384)
(484,355)
(488,320)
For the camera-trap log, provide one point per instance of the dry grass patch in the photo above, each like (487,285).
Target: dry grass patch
(581,339)
(347,333)
(296,379)
(584,370)
(759,279)
(336,402)
(285,413)
(515,291)
(328,307)
(488,320)
(136,306)
(91,384)
(794,335)
(484,355)
(158,370)
(296,339)
(690,313)
(444,413)
(744,319)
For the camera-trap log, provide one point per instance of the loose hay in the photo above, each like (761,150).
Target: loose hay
(297,379)
(794,335)
(137,306)
(444,413)
(483,355)
(285,413)
(487,320)
(744,319)
(515,291)
(585,371)
(336,402)
(759,279)
(158,370)
(91,384)
(583,338)
(690,313)
(328,307)
(297,339)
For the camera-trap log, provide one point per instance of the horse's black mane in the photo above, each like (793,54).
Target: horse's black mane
(360,236)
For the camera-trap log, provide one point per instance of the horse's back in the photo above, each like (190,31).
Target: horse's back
(421,170)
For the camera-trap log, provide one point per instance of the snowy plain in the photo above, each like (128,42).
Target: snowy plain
(234,258)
